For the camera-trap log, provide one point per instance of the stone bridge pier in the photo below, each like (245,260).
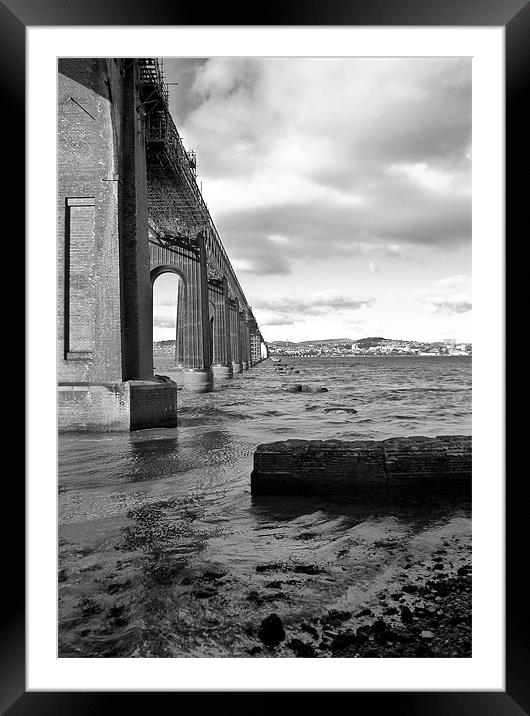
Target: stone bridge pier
(221,355)
(243,340)
(235,336)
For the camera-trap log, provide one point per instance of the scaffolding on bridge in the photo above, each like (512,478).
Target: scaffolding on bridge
(176,206)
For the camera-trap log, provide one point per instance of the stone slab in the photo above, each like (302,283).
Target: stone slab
(397,468)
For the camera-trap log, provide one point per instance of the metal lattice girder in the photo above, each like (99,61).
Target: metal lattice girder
(173,215)
(175,205)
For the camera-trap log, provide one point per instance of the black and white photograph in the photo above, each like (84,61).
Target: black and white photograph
(268,444)
(264,357)
(270,271)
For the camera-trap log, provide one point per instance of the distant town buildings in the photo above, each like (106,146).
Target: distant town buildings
(370,347)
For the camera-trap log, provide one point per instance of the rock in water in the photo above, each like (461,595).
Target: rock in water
(340,409)
(302,388)
(406,615)
(314,389)
(271,631)
(301,648)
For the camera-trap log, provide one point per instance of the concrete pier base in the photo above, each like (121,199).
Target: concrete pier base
(222,372)
(106,407)
(237,367)
(394,469)
(196,380)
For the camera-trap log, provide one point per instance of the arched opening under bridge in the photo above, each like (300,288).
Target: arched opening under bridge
(168,287)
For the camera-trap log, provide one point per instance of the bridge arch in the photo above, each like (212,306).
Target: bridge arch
(178,288)
(168,268)
(187,259)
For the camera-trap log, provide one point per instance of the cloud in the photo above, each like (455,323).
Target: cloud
(252,111)
(318,303)
(450,295)
(277,322)
(331,157)
(392,220)
(167,301)
(262,261)
(163,322)
(453,306)
(287,309)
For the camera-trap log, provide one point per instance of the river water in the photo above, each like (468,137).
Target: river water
(164,552)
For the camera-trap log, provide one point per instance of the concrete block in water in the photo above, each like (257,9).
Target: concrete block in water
(366,469)
(128,405)
(222,371)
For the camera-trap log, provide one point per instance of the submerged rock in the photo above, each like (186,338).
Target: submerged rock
(406,615)
(271,631)
(343,640)
(308,569)
(364,613)
(309,629)
(303,388)
(301,648)
(334,617)
(340,409)
(271,567)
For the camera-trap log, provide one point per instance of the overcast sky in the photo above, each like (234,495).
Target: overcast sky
(341,189)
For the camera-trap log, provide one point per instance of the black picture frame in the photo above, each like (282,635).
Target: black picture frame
(514,15)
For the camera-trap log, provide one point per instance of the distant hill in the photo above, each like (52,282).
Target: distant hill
(372,341)
(164,348)
(323,341)
(362,343)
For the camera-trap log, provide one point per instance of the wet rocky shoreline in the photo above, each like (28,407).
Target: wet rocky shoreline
(153,601)
(428,616)
(164,552)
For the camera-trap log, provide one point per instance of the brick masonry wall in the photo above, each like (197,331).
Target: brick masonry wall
(94,407)
(89,156)
(390,469)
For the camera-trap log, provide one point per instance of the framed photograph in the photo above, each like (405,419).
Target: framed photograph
(251,396)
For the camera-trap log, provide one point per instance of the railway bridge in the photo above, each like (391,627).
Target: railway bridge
(129,209)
